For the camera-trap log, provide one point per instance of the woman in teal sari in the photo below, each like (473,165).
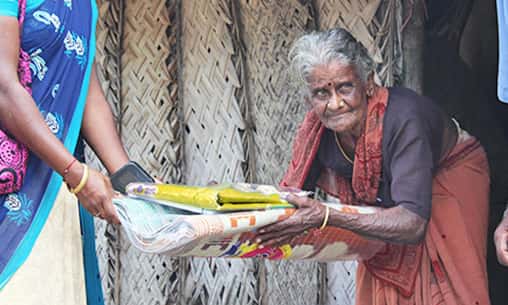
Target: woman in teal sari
(40,240)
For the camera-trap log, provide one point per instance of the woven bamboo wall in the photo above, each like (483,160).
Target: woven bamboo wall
(201,93)
(268,28)
(213,142)
(138,72)
(212,117)
(150,135)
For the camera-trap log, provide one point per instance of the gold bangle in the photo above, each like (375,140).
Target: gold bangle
(82,182)
(325,221)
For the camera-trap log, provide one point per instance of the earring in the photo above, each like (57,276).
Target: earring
(342,104)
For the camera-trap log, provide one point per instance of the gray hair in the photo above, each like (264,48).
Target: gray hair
(320,48)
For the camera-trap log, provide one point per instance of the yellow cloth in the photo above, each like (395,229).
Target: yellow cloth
(53,273)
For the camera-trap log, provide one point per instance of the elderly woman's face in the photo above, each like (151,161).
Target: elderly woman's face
(338,95)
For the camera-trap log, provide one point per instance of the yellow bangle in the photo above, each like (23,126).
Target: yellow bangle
(325,221)
(82,182)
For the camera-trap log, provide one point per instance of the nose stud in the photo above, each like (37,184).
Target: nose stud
(342,104)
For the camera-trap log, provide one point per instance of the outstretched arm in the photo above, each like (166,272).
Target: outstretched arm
(396,225)
(99,128)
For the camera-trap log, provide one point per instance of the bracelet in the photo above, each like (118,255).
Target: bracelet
(325,221)
(82,182)
(68,167)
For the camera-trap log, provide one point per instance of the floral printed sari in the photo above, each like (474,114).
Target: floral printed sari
(60,38)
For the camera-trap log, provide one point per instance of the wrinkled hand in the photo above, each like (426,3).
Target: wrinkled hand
(96,196)
(310,214)
(501,241)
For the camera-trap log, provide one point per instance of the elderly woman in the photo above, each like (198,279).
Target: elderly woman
(392,148)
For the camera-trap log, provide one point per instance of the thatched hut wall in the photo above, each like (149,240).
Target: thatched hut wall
(201,92)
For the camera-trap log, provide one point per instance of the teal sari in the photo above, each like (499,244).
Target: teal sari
(60,38)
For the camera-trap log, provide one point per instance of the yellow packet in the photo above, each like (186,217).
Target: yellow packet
(217,198)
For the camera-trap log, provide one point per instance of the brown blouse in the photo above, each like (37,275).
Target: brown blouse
(417,134)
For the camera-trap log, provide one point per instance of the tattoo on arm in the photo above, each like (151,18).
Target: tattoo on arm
(396,225)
